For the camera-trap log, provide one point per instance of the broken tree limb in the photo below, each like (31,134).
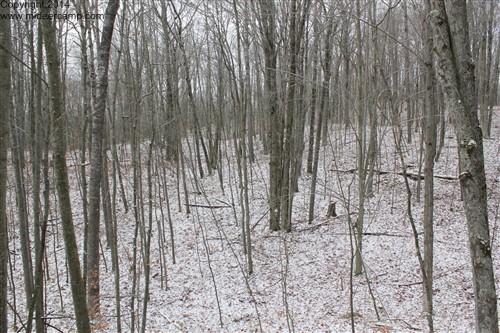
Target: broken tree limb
(208,206)
(410,175)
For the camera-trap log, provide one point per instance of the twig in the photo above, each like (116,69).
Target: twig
(262,217)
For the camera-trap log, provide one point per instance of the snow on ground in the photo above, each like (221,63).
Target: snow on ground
(301,280)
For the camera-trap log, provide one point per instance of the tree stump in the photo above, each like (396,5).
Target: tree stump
(332,209)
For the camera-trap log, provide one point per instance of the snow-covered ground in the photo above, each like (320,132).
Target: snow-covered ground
(301,280)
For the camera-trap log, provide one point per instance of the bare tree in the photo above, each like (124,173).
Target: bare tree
(456,74)
(430,140)
(360,142)
(206,88)
(268,31)
(17,153)
(5,104)
(326,63)
(298,16)
(98,121)
(37,137)
(61,175)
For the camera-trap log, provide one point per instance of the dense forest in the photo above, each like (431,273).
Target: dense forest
(249,166)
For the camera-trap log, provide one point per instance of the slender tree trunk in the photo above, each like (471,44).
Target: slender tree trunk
(487,59)
(286,198)
(268,12)
(360,146)
(5,103)
(371,157)
(22,209)
(17,154)
(346,56)
(407,92)
(314,94)
(61,176)
(297,22)
(98,121)
(248,100)
(325,98)
(493,98)
(456,74)
(171,96)
(430,141)
(36,156)
(81,8)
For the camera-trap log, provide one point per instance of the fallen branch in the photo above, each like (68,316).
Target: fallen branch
(314,227)
(207,206)
(386,234)
(412,176)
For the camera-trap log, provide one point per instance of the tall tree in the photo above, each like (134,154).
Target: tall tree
(268,31)
(430,140)
(456,73)
(326,63)
(61,173)
(98,120)
(298,17)
(17,153)
(36,150)
(5,101)
(360,142)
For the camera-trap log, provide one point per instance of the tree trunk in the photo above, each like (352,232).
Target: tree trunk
(486,70)
(81,8)
(286,199)
(324,101)
(36,158)
(360,145)
(22,209)
(430,140)
(456,73)
(268,12)
(98,120)
(61,175)
(5,98)
(314,94)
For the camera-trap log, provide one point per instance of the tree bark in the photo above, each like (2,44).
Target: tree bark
(5,98)
(98,120)
(22,208)
(456,74)
(324,103)
(360,144)
(37,139)
(268,30)
(430,140)
(61,175)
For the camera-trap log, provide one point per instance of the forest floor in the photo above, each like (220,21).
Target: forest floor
(302,279)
